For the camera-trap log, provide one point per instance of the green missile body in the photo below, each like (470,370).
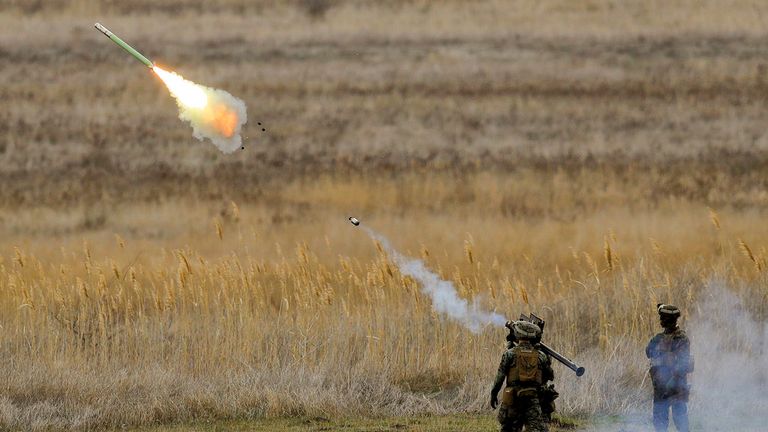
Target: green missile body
(124,45)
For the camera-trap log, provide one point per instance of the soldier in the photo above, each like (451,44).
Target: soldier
(547,393)
(526,370)
(671,362)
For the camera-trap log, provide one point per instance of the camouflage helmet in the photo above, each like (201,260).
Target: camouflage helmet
(668,311)
(526,330)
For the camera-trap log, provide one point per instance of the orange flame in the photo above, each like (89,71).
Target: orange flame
(193,96)
(222,118)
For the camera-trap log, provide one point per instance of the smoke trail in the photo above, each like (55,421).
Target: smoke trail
(214,114)
(445,299)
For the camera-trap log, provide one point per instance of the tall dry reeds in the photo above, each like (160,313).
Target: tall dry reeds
(546,156)
(253,316)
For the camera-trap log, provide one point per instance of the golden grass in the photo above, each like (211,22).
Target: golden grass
(229,312)
(583,162)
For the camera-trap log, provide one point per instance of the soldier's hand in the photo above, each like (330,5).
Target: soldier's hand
(494,400)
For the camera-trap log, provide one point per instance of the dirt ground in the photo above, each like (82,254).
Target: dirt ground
(454,423)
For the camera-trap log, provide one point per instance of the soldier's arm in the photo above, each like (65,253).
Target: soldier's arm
(501,375)
(547,374)
(650,349)
(683,351)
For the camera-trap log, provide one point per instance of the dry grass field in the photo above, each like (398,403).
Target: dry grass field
(583,160)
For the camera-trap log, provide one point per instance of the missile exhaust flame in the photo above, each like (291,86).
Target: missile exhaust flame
(214,114)
(186,92)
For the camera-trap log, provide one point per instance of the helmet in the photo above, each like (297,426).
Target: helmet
(668,311)
(526,330)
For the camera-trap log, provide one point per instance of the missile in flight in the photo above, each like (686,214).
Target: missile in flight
(131,50)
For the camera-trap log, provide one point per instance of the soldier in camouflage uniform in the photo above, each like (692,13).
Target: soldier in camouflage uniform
(671,362)
(547,393)
(526,370)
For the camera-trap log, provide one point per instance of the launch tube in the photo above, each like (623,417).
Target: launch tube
(562,359)
(132,51)
(533,319)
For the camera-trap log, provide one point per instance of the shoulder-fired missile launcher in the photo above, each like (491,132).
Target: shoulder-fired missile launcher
(570,364)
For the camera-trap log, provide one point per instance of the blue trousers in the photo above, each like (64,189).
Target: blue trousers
(661,414)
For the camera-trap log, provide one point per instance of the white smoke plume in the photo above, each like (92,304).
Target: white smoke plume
(207,123)
(445,299)
(730,347)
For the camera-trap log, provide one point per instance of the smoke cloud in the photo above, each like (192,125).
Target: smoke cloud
(728,385)
(731,378)
(445,299)
(221,121)
(214,114)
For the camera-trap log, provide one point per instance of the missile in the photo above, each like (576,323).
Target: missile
(124,45)
(354,221)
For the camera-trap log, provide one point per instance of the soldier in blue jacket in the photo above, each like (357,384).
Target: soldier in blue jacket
(671,361)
